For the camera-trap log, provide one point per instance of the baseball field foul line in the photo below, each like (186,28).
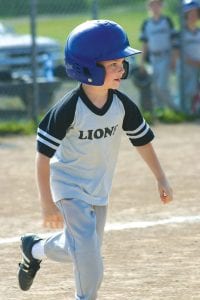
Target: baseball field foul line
(124,226)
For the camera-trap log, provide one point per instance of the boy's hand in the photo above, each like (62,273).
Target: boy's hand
(166,193)
(52,218)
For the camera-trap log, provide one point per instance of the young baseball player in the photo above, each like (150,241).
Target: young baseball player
(191,53)
(157,33)
(77,147)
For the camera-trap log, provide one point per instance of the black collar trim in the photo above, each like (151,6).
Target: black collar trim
(98,111)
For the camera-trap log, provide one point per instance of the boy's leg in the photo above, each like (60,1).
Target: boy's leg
(56,246)
(83,237)
(190,86)
(101,213)
(161,72)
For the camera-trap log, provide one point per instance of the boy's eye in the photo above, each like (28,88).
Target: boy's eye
(116,65)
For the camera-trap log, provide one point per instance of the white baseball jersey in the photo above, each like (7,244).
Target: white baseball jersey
(158,34)
(191,43)
(83,142)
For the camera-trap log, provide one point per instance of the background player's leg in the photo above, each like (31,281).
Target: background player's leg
(161,72)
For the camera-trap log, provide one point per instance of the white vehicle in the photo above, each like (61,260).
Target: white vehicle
(16,66)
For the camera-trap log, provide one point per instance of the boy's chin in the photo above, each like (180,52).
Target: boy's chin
(115,84)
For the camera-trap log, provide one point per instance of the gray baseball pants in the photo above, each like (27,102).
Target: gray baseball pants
(191,82)
(81,242)
(161,73)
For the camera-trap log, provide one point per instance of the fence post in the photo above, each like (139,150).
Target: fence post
(181,75)
(34,105)
(95,9)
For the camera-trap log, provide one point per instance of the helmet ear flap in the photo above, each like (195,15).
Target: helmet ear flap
(126,69)
(94,75)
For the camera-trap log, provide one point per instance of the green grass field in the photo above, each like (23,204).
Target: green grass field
(58,27)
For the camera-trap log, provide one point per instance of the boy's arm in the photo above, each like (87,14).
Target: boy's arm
(51,215)
(149,156)
(143,55)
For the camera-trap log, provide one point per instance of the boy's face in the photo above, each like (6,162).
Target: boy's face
(155,7)
(192,16)
(114,72)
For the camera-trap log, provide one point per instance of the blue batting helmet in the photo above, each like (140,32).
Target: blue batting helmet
(91,42)
(190,4)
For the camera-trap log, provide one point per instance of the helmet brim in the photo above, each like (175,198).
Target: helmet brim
(128,51)
(122,53)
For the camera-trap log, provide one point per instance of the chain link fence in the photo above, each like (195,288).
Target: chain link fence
(33,36)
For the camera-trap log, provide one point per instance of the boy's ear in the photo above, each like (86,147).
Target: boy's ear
(126,69)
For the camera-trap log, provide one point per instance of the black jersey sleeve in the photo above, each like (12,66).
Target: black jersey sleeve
(53,127)
(143,35)
(172,28)
(170,22)
(177,40)
(134,125)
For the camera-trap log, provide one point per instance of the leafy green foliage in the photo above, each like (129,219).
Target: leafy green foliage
(17,127)
(149,117)
(168,116)
(173,5)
